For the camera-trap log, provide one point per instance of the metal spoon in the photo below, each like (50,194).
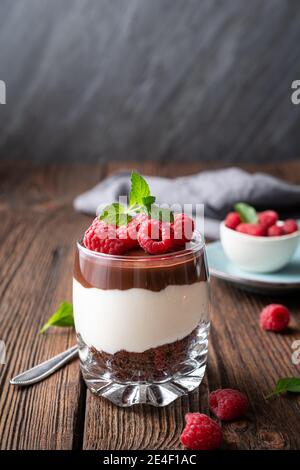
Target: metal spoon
(46,368)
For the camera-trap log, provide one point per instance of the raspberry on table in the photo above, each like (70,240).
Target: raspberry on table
(128,233)
(101,237)
(275,231)
(183,228)
(228,404)
(201,432)
(274,317)
(232,220)
(155,237)
(290,226)
(268,218)
(251,229)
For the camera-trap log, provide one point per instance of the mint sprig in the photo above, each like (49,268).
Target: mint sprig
(162,214)
(139,190)
(140,200)
(62,317)
(247,213)
(286,384)
(148,201)
(115,214)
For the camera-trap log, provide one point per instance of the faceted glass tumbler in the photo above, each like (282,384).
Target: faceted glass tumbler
(142,323)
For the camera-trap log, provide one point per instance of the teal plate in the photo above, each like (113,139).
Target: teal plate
(285,280)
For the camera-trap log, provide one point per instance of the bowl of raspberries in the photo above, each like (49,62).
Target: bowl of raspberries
(258,242)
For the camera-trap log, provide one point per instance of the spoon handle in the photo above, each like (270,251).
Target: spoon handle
(46,368)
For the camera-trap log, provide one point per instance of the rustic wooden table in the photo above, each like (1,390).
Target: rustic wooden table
(38,232)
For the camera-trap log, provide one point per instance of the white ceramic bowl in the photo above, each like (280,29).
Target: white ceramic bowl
(258,254)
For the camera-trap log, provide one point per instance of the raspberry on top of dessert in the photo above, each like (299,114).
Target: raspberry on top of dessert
(143,224)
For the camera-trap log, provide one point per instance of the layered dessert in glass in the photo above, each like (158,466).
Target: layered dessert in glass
(142,319)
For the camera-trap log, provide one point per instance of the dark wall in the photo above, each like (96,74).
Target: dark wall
(149,79)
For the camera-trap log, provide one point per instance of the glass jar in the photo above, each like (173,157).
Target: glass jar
(142,323)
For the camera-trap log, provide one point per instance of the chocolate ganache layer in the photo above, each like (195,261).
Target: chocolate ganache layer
(139,270)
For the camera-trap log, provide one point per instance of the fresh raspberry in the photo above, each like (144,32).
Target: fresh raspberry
(101,237)
(201,432)
(268,218)
(251,229)
(155,237)
(274,317)
(128,233)
(183,228)
(264,230)
(228,404)
(275,231)
(232,220)
(290,226)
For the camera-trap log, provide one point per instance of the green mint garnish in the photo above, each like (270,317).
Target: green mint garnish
(139,189)
(148,201)
(286,384)
(140,200)
(159,213)
(115,214)
(247,213)
(62,317)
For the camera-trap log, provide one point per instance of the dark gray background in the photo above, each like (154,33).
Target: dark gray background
(149,79)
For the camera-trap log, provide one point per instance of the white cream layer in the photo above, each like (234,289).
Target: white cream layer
(138,319)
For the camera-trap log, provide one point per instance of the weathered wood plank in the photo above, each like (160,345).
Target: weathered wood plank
(37,232)
(36,258)
(245,357)
(240,356)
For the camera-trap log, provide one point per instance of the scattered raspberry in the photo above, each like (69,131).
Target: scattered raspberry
(228,404)
(232,220)
(275,231)
(201,432)
(101,237)
(290,226)
(252,229)
(268,218)
(128,233)
(155,237)
(274,317)
(183,228)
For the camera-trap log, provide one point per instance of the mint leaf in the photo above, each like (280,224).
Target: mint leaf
(62,317)
(139,189)
(115,214)
(160,213)
(147,204)
(140,200)
(286,384)
(247,213)
(148,200)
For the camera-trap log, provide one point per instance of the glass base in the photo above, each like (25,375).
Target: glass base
(159,394)
(104,380)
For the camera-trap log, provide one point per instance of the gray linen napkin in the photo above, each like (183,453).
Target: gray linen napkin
(218,190)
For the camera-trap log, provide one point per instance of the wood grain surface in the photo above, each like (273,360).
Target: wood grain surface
(38,231)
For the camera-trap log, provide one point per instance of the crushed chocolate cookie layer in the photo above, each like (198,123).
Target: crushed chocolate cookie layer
(153,364)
